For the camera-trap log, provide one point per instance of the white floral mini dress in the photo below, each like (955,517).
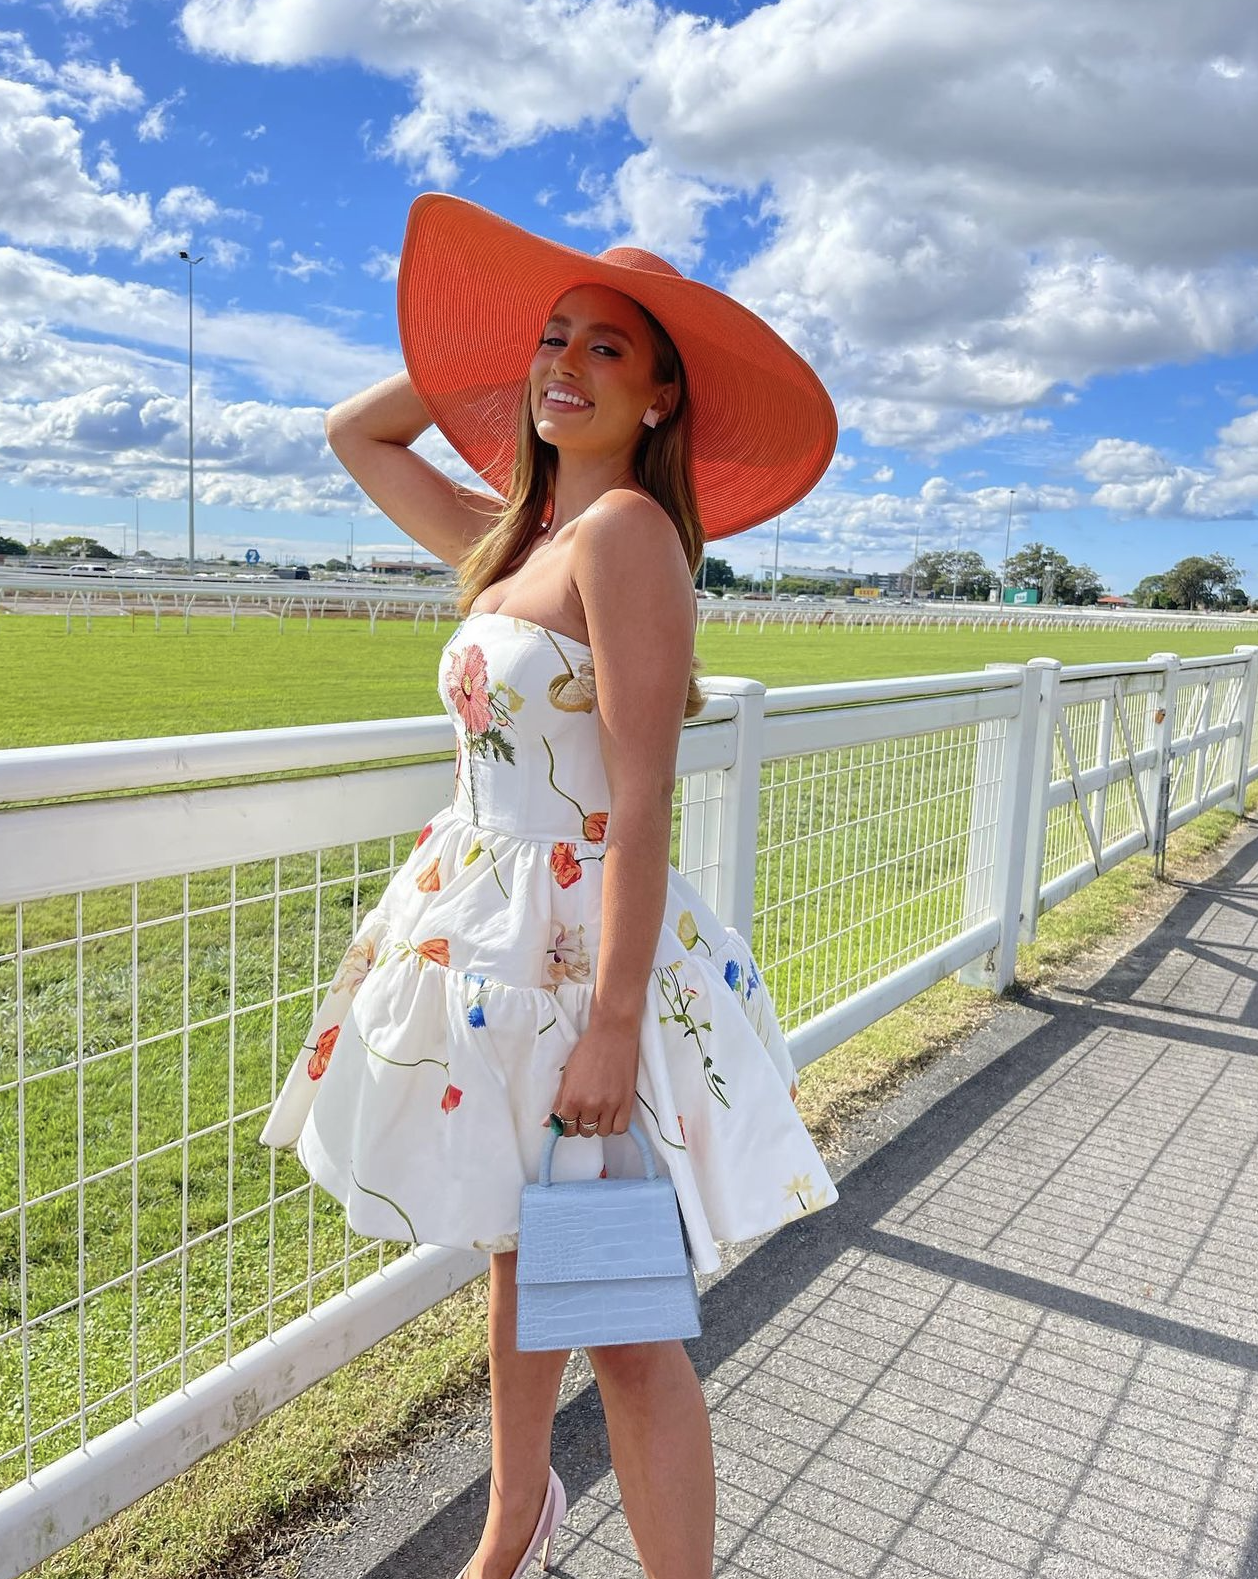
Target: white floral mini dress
(421,1094)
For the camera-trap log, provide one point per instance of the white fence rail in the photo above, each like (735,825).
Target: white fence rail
(167,1282)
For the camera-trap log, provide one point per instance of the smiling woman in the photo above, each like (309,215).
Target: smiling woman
(537,958)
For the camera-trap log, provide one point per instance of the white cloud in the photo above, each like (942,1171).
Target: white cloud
(225,255)
(1137,480)
(484,77)
(883,474)
(647,205)
(1090,118)
(279,353)
(382,265)
(879,529)
(47,197)
(155,124)
(190,205)
(301,267)
(1122,460)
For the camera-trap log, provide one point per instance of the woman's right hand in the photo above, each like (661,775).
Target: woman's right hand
(371,434)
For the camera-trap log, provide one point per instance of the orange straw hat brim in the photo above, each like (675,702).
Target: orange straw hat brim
(474,292)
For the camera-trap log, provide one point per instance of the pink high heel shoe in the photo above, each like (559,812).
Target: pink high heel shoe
(554,1507)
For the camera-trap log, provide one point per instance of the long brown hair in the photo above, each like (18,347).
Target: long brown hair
(661,465)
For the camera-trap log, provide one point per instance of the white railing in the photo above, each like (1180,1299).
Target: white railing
(169,1281)
(83,595)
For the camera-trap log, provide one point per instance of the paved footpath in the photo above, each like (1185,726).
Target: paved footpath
(1024,1343)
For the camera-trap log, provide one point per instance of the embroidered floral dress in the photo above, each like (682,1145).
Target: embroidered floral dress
(420,1097)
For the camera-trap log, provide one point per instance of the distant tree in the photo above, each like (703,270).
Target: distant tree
(935,572)
(1150,592)
(719,574)
(10,545)
(80,548)
(1037,564)
(1083,585)
(1202,581)
(1236,598)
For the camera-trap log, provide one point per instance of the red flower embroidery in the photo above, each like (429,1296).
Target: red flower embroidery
(437,949)
(451,1099)
(594,825)
(469,689)
(681,1127)
(564,864)
(429,879)
(423,834)
(794,1090)
(322,1053)
(603,1171)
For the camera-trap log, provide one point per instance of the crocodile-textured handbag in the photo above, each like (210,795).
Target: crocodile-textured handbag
(602,1260)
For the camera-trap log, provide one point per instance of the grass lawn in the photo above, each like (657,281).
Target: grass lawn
(235,1509)
(124,680)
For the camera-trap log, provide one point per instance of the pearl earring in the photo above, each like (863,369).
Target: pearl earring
(650,416)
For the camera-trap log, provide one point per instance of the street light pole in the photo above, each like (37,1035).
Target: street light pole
(191,262)
(1004,568)
(777,533)
(917,537)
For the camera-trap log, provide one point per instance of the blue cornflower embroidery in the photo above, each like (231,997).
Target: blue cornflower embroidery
(731,974)
(476,1011)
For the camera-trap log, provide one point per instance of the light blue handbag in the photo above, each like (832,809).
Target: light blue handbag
(602,1260)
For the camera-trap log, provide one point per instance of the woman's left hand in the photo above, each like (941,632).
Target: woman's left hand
(599,1079)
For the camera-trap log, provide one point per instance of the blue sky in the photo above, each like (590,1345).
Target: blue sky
(1019,244)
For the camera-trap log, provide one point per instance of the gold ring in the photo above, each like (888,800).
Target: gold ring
(593,1129)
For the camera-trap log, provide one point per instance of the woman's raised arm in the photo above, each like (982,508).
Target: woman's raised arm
(371,434)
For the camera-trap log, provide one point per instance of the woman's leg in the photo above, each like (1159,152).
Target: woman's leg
(661,1445)
(523,1390)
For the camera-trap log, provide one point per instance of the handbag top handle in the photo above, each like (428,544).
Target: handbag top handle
(548,1150)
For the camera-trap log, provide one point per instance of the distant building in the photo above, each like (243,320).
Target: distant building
(884,580)
(402,567)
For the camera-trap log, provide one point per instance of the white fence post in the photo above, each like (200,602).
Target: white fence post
(998,846)
(1158,781)
(1249,694)
(1041,783)
(718,846)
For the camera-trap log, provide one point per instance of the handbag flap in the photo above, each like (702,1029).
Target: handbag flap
(586,1229)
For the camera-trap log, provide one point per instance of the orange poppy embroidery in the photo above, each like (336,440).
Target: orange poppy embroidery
(451,1099)
(423,834)
(564,864)
(430,878)
(319,1059)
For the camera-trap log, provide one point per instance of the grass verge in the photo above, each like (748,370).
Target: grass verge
(249,1507)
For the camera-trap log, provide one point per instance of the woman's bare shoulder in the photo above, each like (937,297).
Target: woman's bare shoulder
(620,504)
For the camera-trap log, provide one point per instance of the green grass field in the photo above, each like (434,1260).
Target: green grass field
(117,683)
(123,681)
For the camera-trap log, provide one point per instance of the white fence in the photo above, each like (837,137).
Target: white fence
(167,1281)
(376,597)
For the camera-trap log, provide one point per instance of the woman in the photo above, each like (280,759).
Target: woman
(537,954)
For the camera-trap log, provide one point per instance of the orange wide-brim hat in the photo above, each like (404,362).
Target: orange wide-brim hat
(474,292)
